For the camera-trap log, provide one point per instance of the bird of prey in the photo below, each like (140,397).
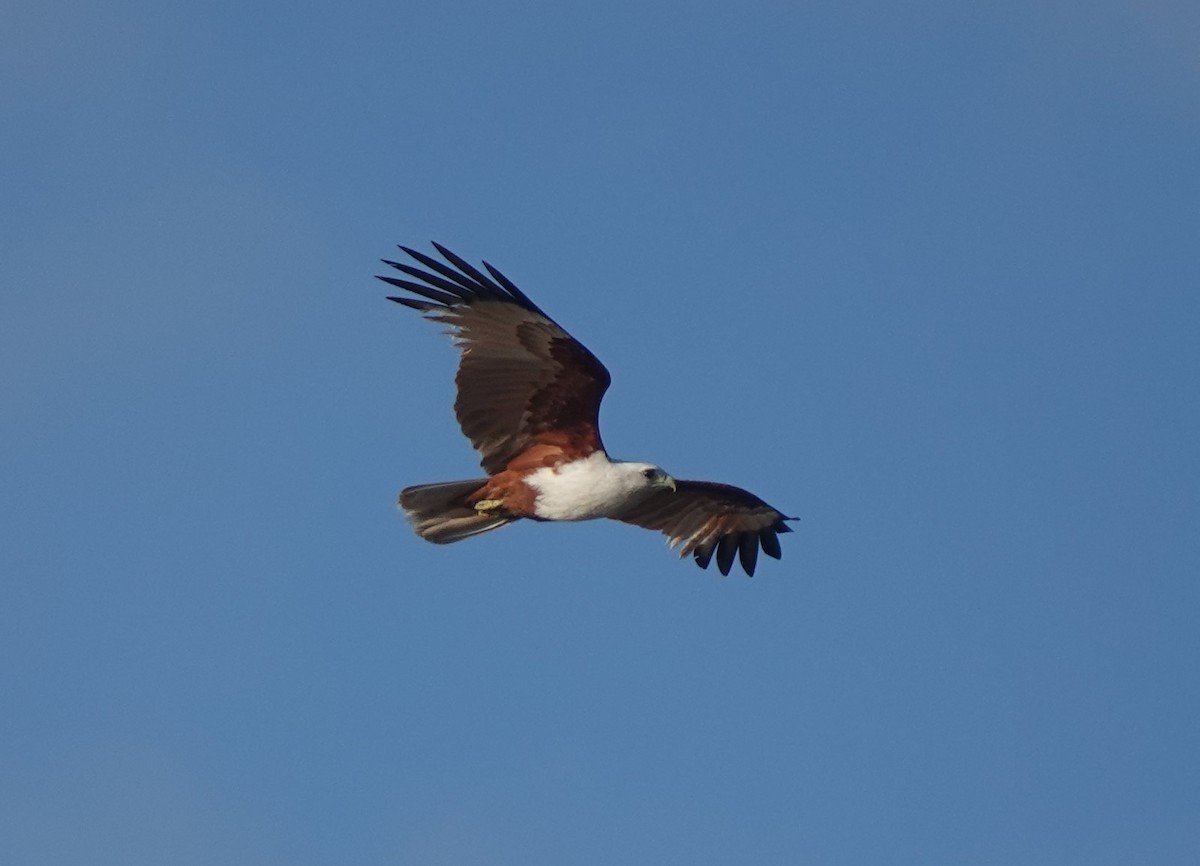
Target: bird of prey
(529,401)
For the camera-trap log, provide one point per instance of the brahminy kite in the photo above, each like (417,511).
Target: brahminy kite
(529,400)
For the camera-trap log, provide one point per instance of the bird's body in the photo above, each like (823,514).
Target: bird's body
(592,487)
(529,399)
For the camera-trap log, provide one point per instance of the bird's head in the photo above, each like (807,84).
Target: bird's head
(653,476)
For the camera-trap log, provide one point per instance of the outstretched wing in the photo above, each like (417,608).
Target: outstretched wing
(522,380)
(706,517)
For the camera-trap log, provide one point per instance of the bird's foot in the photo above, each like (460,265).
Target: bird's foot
(488,504)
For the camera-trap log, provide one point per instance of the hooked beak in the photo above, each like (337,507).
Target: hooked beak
(668,481)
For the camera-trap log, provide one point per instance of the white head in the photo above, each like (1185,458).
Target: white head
(645,476)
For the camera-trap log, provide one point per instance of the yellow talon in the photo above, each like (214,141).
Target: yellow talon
(488,504)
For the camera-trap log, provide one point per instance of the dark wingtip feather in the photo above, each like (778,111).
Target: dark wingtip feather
(440,297)
(726,551)
(748,552)
(423,306)
(770,543)
(703,555)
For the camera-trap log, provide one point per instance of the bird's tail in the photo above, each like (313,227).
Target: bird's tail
(441,513)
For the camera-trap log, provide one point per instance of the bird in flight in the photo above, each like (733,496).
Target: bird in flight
(529,401)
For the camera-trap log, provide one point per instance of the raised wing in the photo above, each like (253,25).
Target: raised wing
(522,379)
(706,518)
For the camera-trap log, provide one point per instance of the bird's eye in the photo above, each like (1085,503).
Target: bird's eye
(649,473)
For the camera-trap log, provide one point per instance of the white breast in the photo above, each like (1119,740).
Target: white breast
(585,489)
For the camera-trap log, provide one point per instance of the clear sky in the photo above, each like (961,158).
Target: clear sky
(926,275)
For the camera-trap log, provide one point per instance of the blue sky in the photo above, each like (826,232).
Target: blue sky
(924,275)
